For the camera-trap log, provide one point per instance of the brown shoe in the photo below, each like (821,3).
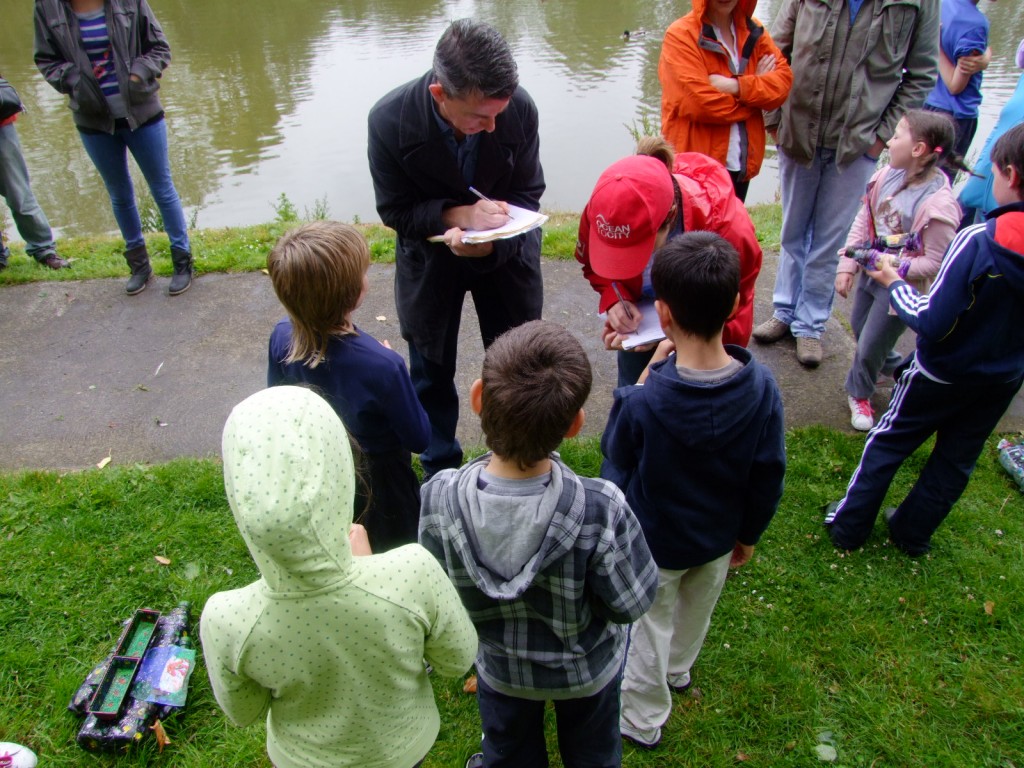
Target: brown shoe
(808,351)
(770,331)
(53,261)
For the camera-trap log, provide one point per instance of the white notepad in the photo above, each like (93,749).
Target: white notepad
(649,331)
(520,221)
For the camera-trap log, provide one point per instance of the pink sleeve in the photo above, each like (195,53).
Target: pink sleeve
(935,239)
(860,232)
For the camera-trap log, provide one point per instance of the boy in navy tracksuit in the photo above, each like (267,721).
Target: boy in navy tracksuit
(699,452)
(967,368)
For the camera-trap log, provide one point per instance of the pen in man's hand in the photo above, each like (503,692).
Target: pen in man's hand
(480,194)
(625,306)
(486,199)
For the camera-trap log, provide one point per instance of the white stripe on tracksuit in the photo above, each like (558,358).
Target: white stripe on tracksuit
(883,425)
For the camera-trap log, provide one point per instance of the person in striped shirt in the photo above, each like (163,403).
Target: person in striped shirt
(107,56)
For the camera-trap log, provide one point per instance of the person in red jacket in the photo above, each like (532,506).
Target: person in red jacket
(719,69)
(638,204)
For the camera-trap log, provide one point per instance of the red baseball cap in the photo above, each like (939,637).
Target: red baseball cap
(629,204)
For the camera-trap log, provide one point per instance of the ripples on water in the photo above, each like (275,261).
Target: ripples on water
(265,98)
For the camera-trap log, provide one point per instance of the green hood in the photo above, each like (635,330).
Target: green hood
(290,483)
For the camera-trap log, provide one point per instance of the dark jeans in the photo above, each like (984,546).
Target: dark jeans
(388,499)
(505,298)
(631,365)
(961,417)
(739,186)
(588,729)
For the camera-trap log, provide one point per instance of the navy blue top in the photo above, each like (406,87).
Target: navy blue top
(964,32)
(366,383)
(970,327)
(701,464)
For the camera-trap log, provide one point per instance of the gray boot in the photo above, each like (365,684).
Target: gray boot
(182,278)
(138,262)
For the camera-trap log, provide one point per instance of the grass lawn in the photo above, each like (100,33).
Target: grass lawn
(888,660)
(244,249)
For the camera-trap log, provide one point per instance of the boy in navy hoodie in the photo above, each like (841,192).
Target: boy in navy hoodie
(967,368)
(698,450)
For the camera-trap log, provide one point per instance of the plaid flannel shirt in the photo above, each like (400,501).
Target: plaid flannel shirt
(556,632)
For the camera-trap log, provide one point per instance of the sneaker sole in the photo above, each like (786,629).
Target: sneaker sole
(641,744)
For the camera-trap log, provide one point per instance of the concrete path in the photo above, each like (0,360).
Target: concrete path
(88,372)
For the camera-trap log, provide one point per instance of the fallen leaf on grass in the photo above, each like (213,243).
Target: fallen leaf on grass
(470,685)
(160,734)
(102,463)
(741,757)
(990,607)
(162,560)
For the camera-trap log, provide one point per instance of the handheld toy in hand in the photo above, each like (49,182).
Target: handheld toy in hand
(870,254)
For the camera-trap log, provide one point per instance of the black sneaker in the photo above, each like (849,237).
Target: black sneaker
(475,761)
(916,551)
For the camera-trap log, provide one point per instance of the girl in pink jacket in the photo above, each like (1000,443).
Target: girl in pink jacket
(910,196)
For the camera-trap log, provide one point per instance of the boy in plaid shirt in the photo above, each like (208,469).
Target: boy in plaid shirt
(549,565)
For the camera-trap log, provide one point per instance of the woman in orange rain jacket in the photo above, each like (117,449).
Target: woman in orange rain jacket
(719,69)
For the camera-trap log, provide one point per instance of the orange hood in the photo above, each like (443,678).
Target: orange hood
(744,8)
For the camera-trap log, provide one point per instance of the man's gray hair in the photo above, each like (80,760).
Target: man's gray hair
(472,57)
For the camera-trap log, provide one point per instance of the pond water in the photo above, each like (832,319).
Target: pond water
(266,98)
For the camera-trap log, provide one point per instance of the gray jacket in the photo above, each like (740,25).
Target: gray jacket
(139,48)
(852,83)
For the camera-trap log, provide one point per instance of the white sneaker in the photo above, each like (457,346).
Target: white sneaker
(645,739)
(17,756)
(862,416)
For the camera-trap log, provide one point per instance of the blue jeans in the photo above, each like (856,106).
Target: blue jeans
(148,145)
(818,206)
(588,729)
(29,218)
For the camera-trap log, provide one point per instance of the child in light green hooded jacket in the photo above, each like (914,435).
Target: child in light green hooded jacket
(327,645)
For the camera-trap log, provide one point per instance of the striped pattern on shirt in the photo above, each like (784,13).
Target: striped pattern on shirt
(96,41)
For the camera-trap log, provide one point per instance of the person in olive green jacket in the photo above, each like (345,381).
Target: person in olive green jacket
(858,66)
(329,646)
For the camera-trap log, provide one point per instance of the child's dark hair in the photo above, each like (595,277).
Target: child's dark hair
(1009,152)
(317,271)
(937,131)
(697,275)
(536,378)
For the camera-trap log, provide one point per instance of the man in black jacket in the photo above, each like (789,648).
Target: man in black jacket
(466,123)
